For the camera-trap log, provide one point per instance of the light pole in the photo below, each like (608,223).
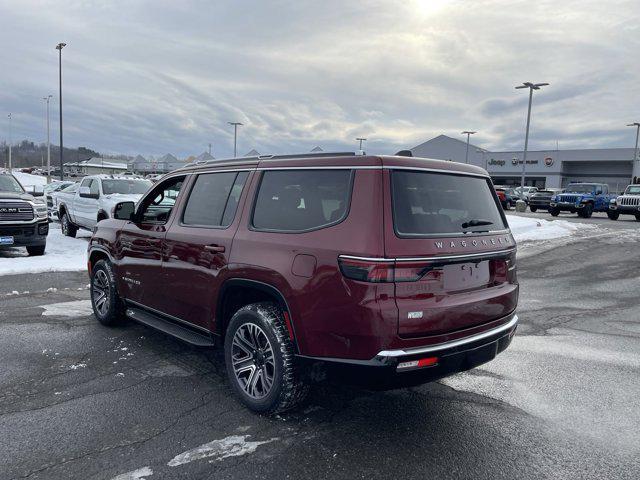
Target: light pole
(468,134)
(46,99)
(361,140)
(531,86)
(59,47)
(235,137)
(635,169)
(10,142)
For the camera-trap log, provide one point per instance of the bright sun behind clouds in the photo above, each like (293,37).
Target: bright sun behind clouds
(429,7)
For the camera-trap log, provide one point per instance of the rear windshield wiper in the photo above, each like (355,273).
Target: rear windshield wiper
(476,223)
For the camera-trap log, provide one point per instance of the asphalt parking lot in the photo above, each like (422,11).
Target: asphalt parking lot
(79,400)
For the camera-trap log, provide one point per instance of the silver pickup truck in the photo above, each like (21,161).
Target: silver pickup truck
(94,200)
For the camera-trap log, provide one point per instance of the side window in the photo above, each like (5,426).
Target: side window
(157,206)
(301,200)
(214,199)
(605,189)
(86,182)
(94,188)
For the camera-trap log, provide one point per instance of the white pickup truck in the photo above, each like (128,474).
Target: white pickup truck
(94,200)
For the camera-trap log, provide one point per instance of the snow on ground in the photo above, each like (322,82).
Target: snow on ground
(233,446)
(533,229)
(63,254)
(76,308)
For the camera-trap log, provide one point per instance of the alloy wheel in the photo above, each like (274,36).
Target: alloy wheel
(101,292)
(253,360)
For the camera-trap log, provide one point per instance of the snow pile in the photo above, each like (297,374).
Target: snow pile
(63,254)
(534,229)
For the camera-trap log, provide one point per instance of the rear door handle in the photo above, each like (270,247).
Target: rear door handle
(215,248)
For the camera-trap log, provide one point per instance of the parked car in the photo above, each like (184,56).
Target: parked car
(94,200)
(289,263)
(511,196)
(502,197)
(48,191)
(583,198)
(542,199)
(626,204)
(526,193)
(23,218)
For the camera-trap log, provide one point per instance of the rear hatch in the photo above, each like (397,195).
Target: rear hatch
(454,254)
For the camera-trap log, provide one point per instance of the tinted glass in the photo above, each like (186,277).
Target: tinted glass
(94,188)
(136,187)
(434,203)
(587,188)
(9,184)
(208,199)
(298,200)
(234,198)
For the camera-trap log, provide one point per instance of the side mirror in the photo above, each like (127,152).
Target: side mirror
(124,211)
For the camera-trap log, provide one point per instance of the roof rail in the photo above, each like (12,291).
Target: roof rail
(273,157)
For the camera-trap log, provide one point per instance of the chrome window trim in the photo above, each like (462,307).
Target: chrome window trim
(384,354)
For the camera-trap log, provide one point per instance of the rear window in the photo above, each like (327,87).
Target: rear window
(427,203)
(302,200)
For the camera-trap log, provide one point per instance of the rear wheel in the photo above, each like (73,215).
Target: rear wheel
(613,215)
(554,211)
(106,303)
(533,209)
(260,362)
(36,250)
(68,228)
(505,205)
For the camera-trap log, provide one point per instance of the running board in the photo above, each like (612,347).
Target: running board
(166,326)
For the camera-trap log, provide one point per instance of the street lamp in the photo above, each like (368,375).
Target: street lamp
(361,140)
(468,134)
(46,99)
(635,170)
(235,137)
(10,141)
(59,47)
(531,87)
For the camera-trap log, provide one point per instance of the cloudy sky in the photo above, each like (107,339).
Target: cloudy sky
(166,76)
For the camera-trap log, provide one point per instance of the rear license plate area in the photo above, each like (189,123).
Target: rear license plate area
(6,240)
(465,276)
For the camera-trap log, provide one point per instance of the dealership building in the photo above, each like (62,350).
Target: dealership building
(545,168)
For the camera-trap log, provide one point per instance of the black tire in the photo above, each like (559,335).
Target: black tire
(533,209)
(554,211)
(637,217)
(68,228)
(505,205)
(586,211)
(110,311)
(613,215)
(36,250)
(273,356)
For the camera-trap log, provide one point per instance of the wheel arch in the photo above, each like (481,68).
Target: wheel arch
(237,292)
(95,255)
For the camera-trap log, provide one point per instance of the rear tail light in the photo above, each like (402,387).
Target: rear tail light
(367,270)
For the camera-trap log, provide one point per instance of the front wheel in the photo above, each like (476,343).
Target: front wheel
(106,303)
(36,250)
(505,205)
(260,361)
(533,209)
(68,228)
(554,211)
(613,215)
(586,211)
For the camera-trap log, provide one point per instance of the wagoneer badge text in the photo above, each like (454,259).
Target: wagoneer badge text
(474,243)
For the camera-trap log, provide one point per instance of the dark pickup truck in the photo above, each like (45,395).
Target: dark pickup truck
(23,219)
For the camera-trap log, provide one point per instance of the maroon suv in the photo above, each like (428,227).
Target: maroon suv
(390,269)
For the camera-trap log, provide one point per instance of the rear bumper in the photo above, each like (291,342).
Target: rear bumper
(25,235)
(382,371)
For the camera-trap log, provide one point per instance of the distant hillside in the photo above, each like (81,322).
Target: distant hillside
(29,154)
